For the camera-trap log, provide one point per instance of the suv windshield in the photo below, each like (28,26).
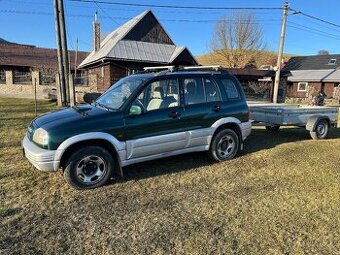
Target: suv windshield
(115,97)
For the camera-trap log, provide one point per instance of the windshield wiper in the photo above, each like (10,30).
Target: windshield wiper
(103,106)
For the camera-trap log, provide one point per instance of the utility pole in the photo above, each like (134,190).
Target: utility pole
(64,51)
(76,60)
(280,53)
(61,74)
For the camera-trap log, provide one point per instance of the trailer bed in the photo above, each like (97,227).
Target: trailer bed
(316,119)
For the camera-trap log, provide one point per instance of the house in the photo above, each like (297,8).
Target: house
(22,65)
(258,84)
(140,42)
(311,74)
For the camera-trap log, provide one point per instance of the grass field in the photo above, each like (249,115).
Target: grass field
(280,196)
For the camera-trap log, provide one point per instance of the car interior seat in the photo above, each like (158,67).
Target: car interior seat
(156,99)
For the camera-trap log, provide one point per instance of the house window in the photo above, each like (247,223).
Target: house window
(22,77)
(332,61)
(302,86)
(2,76)
(47,78)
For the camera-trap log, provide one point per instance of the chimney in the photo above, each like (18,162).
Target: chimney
(96,33)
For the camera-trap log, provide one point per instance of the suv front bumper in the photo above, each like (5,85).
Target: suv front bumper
(42,159)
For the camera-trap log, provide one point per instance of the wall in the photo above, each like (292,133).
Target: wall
(107,74)
(9,89)
(292,90)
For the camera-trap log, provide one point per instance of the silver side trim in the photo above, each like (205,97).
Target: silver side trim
(163,155)
(245,129)
(119,146)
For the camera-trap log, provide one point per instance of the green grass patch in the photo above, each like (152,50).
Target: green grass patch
(279,196)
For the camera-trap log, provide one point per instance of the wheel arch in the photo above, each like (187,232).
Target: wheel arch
(105,141)
(231,123)
(313,121)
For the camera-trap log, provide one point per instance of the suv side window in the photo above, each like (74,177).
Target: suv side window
(159,95)
(211,90)
(193,90)
(230,88)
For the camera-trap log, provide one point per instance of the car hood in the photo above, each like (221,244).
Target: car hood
(71,114)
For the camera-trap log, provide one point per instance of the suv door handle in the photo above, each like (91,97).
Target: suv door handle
(174,115)
(216,108)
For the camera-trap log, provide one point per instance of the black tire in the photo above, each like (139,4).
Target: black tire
(225,145)
(321,130)
(273,128)
(89,167)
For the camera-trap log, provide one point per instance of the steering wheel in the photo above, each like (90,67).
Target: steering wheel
(139,103)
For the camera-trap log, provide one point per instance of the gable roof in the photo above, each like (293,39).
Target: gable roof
(141,39)
(332,75)
(317,62)
(20,55)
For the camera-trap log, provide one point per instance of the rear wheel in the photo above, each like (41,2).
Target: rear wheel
(224,145)
(89,167)
(321,130)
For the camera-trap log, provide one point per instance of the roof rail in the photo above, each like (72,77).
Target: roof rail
(213,67)
(159,68)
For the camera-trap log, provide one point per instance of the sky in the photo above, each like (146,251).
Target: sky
(32,22)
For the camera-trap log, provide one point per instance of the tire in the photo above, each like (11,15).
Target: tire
(89,167)
(273,128)
(321,130)
(225,145)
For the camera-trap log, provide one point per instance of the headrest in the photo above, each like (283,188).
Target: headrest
(157,94)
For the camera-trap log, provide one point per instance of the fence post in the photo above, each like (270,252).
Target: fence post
(35,98)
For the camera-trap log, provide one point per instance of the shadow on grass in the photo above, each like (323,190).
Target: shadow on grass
(4,212)
(260,139)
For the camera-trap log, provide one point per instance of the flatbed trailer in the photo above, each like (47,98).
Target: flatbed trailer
(315,119)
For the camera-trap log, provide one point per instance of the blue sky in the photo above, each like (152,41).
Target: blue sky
(32,22)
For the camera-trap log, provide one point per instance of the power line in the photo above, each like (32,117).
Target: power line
(316,18)
(177,7)
(313,32)
(107,14)
(314,29)
(259,21)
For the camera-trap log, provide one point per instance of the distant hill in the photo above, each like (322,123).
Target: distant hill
(263,58)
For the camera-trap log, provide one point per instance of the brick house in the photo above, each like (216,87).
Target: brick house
(312,74)
(140,42)
(23,65)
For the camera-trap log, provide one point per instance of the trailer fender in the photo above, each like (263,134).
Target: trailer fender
(312,121)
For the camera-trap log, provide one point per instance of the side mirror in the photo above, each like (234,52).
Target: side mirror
(135,110)
(91,97)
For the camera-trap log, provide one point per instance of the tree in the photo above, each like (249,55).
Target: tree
(323,52)
(238,38)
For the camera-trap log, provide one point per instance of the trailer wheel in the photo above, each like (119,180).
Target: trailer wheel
(320,131)
(273,128)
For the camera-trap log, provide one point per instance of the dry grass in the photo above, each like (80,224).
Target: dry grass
(281,196)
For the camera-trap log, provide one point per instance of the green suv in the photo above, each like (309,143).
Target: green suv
(142,117)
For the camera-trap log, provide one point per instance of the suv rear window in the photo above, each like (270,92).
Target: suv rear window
(230,88)
(200,90)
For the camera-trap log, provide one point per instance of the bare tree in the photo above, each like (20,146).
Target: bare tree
(238,38)
(323,52)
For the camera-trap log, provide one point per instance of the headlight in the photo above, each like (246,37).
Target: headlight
(40,136)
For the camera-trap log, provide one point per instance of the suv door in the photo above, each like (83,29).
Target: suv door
(202,100)
(202,107)
(158,129)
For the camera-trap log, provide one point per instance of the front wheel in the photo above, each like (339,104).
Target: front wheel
(225,145)
(89,167)
(321,130)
